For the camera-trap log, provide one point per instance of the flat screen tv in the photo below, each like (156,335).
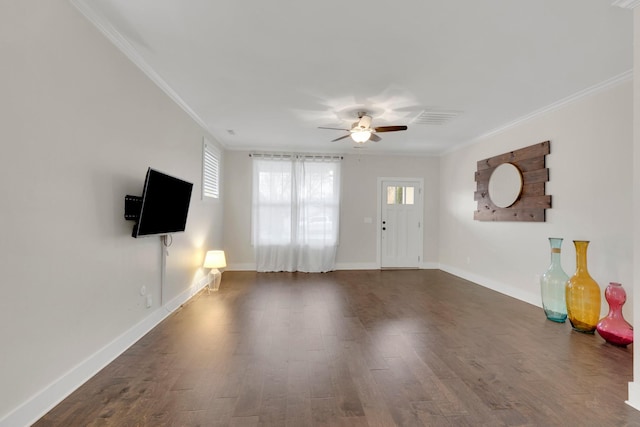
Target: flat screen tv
(165,205)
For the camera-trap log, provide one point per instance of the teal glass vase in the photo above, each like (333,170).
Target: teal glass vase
(552,285)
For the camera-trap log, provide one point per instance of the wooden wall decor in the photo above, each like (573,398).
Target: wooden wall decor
(532,201)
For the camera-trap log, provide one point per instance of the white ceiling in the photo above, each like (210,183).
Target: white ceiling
(272,72)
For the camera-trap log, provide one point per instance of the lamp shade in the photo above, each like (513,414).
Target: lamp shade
(215,259)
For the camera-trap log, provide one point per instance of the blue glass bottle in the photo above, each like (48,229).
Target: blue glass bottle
(552,285)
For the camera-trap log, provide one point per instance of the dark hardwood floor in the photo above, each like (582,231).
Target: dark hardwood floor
(357,348)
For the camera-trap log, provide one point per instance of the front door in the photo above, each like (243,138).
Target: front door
(401,216)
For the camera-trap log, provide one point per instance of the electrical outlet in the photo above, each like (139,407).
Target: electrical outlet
(143,290)
(149,301)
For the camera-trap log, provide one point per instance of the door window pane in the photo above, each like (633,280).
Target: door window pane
(400,195)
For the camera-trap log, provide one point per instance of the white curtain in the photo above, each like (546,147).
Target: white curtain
(296,209)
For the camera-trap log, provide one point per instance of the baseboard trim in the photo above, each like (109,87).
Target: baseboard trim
(34,408)
(503,288)
(634,395)
(245,266)
(429,266)
(339,266)
(357,266)
(57,391)
(186,295)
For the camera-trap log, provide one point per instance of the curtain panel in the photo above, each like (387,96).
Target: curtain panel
(295,212)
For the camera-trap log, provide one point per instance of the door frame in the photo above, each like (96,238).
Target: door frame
(418,181)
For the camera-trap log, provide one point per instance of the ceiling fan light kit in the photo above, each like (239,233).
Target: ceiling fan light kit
(364,122)
(361,136)
(362,132)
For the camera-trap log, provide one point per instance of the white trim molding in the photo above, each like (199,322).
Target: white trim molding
(634,395)
(613,81)
(357,266)
(503,288)
(429,266)
(241,266)
(134,56)
(626,4)
(339,266)
(42,402)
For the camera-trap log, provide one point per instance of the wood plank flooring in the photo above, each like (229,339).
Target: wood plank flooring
(357,348)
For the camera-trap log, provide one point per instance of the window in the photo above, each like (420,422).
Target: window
(272,201)
(399,195)
(295,212)
(210,171)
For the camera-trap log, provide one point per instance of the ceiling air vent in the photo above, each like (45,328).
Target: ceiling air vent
(435,117)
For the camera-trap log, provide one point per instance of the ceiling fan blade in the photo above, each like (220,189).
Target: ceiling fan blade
(389,128)
(342,137)
(322,127)
(374,137)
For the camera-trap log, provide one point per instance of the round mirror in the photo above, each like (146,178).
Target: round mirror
(505,185)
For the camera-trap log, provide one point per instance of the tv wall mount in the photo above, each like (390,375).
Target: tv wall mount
(132,207)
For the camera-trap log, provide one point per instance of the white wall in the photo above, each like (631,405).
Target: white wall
(79,125)
(634,387)
(360,173)
(591,173)
(359,200)
(238,176)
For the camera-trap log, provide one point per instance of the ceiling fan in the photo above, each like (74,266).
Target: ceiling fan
(361,131)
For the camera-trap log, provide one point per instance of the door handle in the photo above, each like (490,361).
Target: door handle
(384,228)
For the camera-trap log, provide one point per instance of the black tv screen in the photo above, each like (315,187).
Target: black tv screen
(165,205)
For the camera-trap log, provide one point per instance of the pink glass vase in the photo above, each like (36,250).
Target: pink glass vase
(613,328)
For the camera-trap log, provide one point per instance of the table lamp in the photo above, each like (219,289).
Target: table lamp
(215,260)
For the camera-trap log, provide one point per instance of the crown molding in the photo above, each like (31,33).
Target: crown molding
(614,81)
(620,78)
(134,56)
(626,4)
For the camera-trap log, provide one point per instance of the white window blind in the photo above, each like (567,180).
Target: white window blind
(210,171)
